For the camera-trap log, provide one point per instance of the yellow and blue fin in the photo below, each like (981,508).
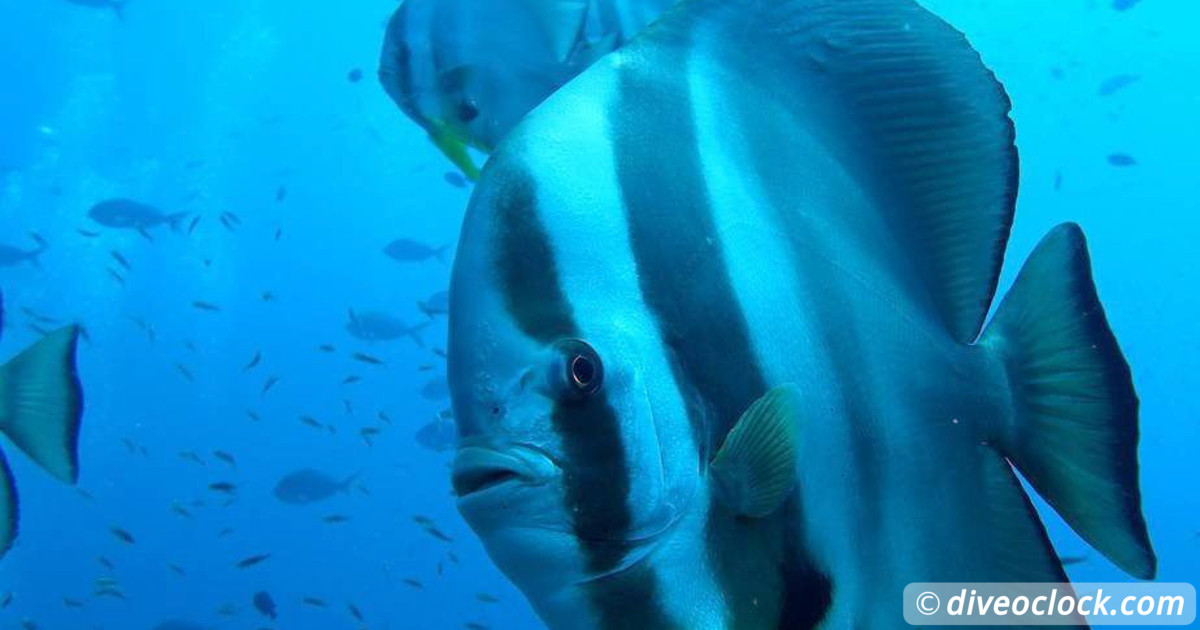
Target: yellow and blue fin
(1075,430)
(454,148)
(755,469)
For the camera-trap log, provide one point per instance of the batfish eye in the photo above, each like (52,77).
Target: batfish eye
(581,371)
(467,111)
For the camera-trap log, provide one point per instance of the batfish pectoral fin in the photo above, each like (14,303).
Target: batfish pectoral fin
(8,507)
(1074,433)
(454,148)
(755,470)
(41,403)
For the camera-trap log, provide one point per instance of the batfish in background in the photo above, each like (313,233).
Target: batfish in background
(468,70)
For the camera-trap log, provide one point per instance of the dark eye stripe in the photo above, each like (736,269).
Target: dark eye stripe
(596,475)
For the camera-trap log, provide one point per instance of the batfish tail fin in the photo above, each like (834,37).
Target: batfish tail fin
(441,252)
(41,403)
(1074,433)
(34,256)
(9,507)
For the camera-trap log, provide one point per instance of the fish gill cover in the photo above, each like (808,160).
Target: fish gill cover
(257,332)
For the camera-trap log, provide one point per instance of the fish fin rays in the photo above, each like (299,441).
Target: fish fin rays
(904,102)
(755,469)
(1074,435)
(41,403)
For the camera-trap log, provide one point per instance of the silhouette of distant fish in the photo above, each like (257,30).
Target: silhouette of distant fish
(123,535)
(438,436)
(436,304)
(377,326)
(250,561)
(413,582)
(363,357)
(407,250)
(254,361)
(265,604)
(1122,160)
(436,389)
(40,412)
(126,214)
(456,179)
(1118,83)
(11,256)
(1125,5)
(309,486)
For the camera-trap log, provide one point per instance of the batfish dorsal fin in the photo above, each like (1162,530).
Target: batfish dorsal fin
(903,101)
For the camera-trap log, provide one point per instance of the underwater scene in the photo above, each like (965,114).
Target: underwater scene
(592,314)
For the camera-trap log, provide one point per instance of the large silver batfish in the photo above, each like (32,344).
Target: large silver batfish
(467,71)
(717,343)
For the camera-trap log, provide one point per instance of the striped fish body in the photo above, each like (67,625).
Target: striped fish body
(766,194)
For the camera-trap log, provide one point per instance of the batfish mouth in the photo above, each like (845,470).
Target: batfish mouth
(478,471)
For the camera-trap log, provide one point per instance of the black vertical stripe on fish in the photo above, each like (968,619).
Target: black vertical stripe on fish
(597,481)
(773,164)
(630,599)
(807,591)
(525,262)
(683,279)
(704,330)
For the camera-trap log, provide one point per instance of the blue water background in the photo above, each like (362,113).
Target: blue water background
(92,107)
